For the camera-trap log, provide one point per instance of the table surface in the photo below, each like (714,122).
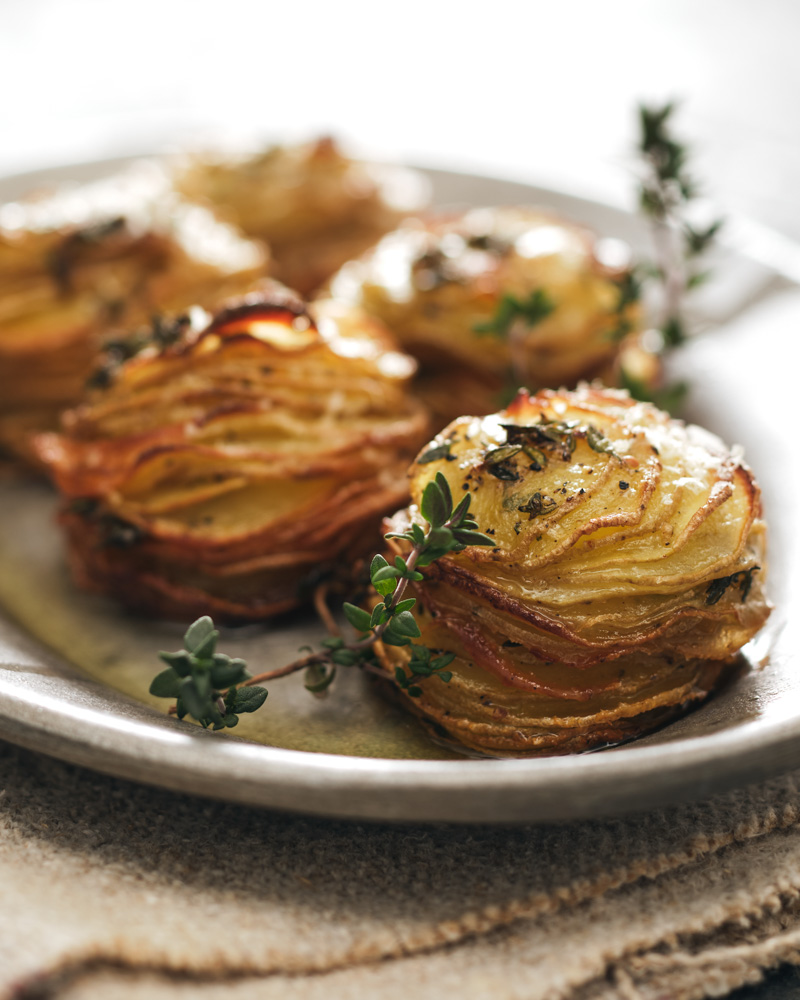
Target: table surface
(541,92)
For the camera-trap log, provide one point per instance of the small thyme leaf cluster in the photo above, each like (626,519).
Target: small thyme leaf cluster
(204,682)
(532,310)
(665,193)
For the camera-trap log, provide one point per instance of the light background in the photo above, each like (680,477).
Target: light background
(539,91)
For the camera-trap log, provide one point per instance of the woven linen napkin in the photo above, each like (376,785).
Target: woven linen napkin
(112,890)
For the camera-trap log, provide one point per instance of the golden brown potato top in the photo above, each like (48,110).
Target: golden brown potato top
(115,249)
(264,382)
(134,203)
(496,287)
(588,494)
(289,193)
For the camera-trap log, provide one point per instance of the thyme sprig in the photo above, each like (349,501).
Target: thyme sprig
(204,682)
(666,193)
(215,689)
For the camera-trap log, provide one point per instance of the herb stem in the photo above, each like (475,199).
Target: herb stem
(215,689)
(355,647)
(290,668)
(323,611)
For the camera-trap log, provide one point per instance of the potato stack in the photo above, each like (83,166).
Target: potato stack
(313,206)
(628,571)
(77,264)
(498,298)
(229,463)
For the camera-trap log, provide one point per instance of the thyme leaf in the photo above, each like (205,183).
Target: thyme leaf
(531,310)
(717,588)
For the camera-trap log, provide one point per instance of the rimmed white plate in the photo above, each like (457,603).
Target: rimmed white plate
(74,669)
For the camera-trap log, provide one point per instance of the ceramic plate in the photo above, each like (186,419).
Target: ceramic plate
(74,670)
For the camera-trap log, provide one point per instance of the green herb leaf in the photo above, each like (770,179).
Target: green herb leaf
(197,704)
(379,615)
(249,699)
(201,637)
(385,573)
(318,679)
(180,661)
(405,624)
(472,537)
(460,513)
(434,507)
(223,675)
(167,684)
(444,486)
(358,618)
(531,310)
(438,453)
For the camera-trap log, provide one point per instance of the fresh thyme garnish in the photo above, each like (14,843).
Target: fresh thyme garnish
(113,531)
(716,589)
(598,442)
(667,197)
(214,690)
(65,257)
(204,682)
(161,333)
(669,397)
(538,504)
(556,436)
(436,454)
(532,310)
(666,191)
(630,291)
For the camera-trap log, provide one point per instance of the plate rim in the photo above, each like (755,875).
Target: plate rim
(125,738)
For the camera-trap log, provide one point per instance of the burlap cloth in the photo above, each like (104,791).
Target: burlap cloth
(111,890)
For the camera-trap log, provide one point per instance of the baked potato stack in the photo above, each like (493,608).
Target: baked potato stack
(313,206)
(77,264)
(223,473)
(628,571)
(497,298)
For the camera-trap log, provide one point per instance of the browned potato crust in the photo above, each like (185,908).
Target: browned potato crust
(628,571)
(77,264)
(313,206)
(221,473)
(444,288)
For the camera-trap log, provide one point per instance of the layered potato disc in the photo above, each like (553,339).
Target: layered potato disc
(314,206)
(628,571)
(498,298)
(226,472)
(82,261)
